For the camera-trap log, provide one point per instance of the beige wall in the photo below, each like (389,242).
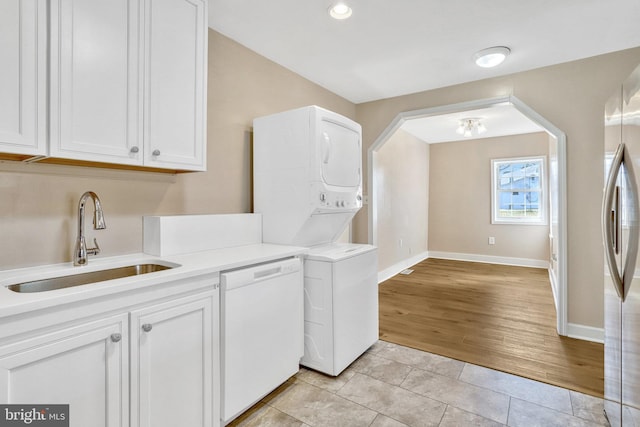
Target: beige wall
(572,97)
(38,210)
(402,190)
(460,199)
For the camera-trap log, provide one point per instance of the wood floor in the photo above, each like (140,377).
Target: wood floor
(496,316)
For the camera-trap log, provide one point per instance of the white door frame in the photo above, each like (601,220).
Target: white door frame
(559,135)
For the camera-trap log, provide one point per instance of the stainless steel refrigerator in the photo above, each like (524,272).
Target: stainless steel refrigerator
(620,229)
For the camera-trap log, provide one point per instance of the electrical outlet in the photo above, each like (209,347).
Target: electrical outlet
(492,240)
(400,242)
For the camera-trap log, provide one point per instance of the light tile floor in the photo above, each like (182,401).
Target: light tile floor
(393,386)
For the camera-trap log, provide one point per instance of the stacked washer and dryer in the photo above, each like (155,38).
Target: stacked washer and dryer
(307,178)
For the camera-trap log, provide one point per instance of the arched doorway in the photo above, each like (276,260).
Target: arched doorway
(557,185)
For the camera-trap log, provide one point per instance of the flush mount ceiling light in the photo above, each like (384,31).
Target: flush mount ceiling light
(340,11)
(467,127)
(492,56)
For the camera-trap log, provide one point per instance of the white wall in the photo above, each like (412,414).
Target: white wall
(552,171)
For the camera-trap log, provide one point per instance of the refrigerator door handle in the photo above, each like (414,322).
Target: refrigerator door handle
(615,221)
(631,210)
(611,220)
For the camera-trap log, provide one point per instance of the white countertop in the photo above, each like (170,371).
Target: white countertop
(190,265)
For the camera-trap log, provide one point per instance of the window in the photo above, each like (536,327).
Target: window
(518,194)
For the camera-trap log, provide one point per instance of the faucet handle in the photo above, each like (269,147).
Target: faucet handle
(94,251)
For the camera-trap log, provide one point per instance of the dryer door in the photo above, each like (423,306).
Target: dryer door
(340,155)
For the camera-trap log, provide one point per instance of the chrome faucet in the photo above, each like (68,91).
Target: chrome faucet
(81,252)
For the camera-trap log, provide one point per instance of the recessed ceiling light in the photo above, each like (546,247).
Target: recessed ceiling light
(340,11)
(492,56)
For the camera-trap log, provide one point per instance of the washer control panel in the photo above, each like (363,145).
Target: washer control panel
(340,200)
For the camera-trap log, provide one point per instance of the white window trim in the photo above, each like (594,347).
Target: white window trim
(543,220)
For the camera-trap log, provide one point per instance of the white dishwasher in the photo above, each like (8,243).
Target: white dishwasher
(262,331)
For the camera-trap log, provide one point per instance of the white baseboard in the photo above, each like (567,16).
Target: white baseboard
(587,333)
(490,259)
(396,268)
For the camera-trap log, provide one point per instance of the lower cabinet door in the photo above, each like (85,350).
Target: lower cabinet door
(171,364)
(83,366)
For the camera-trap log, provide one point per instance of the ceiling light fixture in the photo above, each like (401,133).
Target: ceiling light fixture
(492,56)
(340,11)
(468,126)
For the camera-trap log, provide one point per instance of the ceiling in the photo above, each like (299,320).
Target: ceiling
(396,47)
(500,120)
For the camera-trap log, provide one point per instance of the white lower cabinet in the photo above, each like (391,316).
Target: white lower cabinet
(85,366)
(151,365)
(171,364)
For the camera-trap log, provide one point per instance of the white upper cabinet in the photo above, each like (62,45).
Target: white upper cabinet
(94,81)
(23,49)
(175,63)
(126,82)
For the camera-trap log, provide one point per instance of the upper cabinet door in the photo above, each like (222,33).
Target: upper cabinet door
(23,49)
(175,64)
(94,102)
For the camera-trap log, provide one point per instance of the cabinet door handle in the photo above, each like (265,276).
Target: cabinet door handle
(116,337)
(147,327)
(134,149)
(155,152)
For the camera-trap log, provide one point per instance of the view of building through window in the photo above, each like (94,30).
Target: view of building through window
(518,190)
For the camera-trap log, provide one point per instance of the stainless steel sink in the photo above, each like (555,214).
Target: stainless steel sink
(86,278)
